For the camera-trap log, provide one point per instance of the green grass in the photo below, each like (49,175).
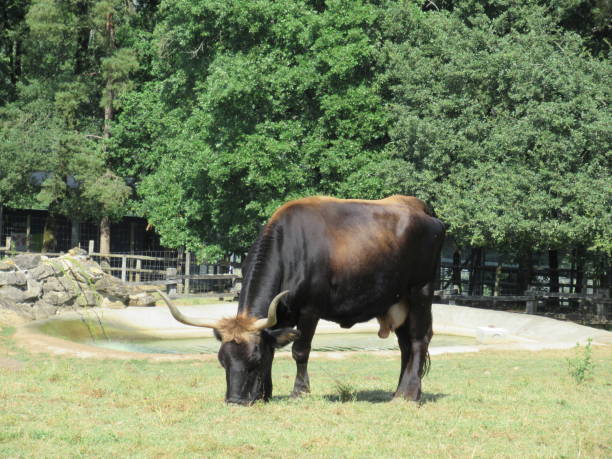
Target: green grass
(488,404)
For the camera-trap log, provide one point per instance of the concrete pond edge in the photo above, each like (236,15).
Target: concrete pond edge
(494,330)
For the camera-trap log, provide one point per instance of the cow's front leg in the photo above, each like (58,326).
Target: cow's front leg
(301,351)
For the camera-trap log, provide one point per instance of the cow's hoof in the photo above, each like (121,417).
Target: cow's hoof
(409,397)
(299,393)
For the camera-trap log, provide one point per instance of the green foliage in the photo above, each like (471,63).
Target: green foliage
(508,129)
(282,103)
(72,177)
(74,67)
(496,112)
(346,391)
(581,366)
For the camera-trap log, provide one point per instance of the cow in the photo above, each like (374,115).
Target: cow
(345,261)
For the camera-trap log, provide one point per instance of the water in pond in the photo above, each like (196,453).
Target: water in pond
(110,337)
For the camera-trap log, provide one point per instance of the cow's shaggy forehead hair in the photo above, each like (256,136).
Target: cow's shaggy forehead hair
(240,329)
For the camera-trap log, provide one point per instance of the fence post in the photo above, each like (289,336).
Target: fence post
(187,271)
(28,232)
(600,307)
(8,243)
(138,268)
(124,268)
(90,248)
(531,305)
(171,281)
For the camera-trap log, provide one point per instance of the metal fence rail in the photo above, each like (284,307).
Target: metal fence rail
(579,307)
(179,272)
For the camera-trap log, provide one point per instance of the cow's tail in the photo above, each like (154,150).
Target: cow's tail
(426,365)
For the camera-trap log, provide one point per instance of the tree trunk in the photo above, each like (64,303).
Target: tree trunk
(82,38)
(16,62)
(578,285)
(105,227)
(1,224)
(553,275)
(475,286)
(75,234)
(49,240)
(525,270)
(456,276)
(105,233)
(498,275)
(108,113)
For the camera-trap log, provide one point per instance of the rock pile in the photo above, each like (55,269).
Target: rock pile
(35,287)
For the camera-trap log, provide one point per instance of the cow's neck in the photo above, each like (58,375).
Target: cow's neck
(263,278)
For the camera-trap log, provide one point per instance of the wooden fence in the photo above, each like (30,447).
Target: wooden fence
(594,310)
(174,271)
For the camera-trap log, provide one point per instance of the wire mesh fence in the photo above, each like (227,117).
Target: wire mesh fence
(178,270)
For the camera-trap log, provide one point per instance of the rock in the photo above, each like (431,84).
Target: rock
(142,299)
(27,260)
(112,303)
(87,298)
(58,284)
(12,278)
(7,265)
(22,311)
(112,287)
(77,252)
(34,288)
(42,271)
(59,298)
(492,335)
(13,294)
(81,269)
(43,310)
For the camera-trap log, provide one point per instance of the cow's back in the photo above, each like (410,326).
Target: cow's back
(356,257)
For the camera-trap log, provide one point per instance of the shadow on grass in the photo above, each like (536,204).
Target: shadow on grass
(381,396)
(372,396)
(431,398)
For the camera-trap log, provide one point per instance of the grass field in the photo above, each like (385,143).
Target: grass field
(488,404)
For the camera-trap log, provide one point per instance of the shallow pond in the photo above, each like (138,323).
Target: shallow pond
(110,337)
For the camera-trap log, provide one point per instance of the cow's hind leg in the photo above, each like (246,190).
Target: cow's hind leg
(301,351)
(413,338)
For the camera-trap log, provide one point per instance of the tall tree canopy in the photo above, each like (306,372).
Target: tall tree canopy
(495,111)
(506,127)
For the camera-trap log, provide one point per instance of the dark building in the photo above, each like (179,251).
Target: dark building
(25,227)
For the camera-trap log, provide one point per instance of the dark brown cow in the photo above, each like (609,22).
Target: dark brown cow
(347,261)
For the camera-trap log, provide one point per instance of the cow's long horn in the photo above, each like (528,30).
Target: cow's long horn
(178,315)
(270,321)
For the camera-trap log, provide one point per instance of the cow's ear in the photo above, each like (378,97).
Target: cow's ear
(283,336)
(217,334)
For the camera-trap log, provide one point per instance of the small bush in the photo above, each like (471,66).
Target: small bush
(346,392)
(581,366)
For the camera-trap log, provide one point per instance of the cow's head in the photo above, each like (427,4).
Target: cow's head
(247,350)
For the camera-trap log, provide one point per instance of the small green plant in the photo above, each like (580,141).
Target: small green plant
(581,366)
(346,392)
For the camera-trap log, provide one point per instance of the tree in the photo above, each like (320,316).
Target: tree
(75,72)
(264,102)
(504,124)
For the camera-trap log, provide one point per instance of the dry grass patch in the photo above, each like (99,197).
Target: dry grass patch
(488,404)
